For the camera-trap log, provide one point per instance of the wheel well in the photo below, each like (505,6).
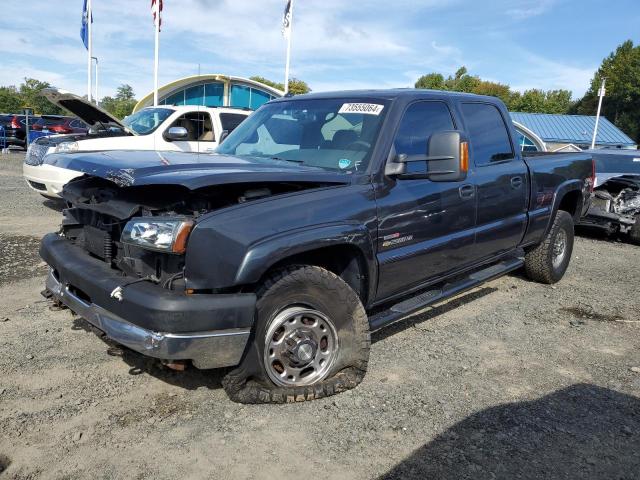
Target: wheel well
(570,203)
(346,261)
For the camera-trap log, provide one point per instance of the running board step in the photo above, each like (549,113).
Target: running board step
(422,300)
(416,302)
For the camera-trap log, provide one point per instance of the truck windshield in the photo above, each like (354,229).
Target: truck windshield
(146,120)
(333,134)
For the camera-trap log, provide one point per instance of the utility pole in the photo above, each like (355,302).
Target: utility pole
(601,94)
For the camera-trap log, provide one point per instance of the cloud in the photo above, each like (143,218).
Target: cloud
(539,72)
(530,8)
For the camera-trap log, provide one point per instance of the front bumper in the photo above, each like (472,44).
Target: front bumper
(47,179)
(210,330)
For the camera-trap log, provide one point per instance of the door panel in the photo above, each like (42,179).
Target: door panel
(425,229)
(502,207)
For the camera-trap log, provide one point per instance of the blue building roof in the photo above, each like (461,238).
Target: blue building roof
(577,129)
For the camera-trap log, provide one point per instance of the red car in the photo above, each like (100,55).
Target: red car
(60,124)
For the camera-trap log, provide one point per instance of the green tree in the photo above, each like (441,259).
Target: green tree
(10,101)
(296,86)
(558,101)
(493,89)
(30,92)
(621,105)
(532,101)
(122,104)
(433,81)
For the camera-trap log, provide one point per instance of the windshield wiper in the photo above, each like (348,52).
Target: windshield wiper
(287,160)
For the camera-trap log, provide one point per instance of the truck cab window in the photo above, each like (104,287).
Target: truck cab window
(420,121)
(487,133)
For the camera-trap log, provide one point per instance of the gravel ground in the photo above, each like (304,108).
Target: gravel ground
(511,380)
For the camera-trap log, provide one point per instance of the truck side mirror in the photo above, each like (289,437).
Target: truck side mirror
(223,135)
(176,134)
(447,159)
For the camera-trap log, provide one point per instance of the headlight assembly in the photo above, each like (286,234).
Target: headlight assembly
(66,147)
(164,234)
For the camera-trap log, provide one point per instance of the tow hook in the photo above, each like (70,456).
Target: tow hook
(118,292)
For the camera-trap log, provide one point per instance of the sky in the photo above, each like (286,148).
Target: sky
(336,44)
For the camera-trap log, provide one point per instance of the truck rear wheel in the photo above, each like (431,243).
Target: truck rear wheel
(548,262)
(311,340)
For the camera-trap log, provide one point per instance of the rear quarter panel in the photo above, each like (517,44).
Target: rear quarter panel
(552,177)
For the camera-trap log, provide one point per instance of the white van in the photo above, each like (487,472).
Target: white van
(185,128)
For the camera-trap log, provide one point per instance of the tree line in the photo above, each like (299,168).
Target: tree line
(534,100)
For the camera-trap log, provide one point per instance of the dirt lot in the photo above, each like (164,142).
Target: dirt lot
(511,380)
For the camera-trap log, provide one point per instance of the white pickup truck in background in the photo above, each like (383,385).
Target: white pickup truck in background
(166,128)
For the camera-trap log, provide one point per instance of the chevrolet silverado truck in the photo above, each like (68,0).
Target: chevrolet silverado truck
(321,218)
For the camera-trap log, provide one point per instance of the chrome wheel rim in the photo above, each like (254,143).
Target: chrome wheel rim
(559,248)
(301,345)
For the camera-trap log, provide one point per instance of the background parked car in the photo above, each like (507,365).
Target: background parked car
(60,124)
(15,128)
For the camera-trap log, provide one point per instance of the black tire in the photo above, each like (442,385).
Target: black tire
(541,263)
(314,288)
(634,233)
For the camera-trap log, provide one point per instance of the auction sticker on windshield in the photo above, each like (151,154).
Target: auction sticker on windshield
(365,108)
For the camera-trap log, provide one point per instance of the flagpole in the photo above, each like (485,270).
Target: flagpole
(286,67)
(89,49)
(155,68)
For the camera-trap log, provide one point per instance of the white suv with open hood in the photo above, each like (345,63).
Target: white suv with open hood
(186,128)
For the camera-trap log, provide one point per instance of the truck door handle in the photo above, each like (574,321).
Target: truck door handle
(467,191)
(516,182)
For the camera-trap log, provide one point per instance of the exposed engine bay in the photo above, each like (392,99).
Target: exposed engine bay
(99,210)
(615,206)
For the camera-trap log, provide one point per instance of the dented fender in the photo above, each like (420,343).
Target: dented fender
(263,255)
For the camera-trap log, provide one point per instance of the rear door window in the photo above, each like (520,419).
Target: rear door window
(230,121)
(488,133)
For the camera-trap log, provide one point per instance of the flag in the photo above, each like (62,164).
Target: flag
(286,20)
(153,11)
(84,30)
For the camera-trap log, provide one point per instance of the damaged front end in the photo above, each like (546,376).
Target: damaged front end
(142,231)
(119,262)
(615,206)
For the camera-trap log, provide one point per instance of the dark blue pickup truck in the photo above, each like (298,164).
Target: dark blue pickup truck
(321,218)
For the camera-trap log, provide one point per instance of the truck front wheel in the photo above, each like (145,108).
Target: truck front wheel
(547,262)
(311,339)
